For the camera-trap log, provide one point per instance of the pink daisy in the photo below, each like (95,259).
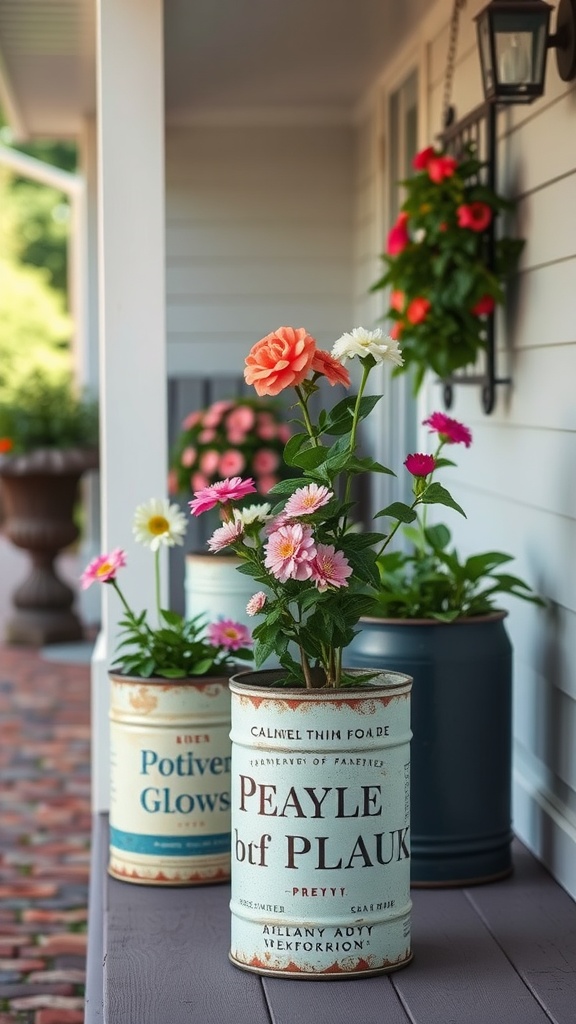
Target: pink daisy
(449,431)
(188,457)
(289,552)
(265,461)
(241,419)
(209,461)
(206,436)
(103,569)
(221,493)
(226,535)
(306,500)
(256,603)
(330,568)
(419,464)
(229,634)
(266,483)
(191,420)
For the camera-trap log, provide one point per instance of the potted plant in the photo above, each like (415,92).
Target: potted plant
(169,726)
(443,281)
(229,437)
(48,439)
(320,792)
(437,617)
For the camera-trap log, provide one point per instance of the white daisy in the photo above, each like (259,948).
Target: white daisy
(360,342)
(253,514)
(158,522)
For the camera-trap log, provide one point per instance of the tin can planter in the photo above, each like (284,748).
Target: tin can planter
(462,740)
(170,780)
(320,827)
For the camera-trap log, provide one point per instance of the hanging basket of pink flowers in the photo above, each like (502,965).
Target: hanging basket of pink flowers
(232,437)
(446,263)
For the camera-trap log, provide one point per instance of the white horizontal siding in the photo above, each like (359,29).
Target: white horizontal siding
(259,228)
(516,482)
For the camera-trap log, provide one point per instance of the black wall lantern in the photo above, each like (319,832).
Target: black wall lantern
(513,40)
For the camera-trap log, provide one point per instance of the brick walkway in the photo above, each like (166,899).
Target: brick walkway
(44,837)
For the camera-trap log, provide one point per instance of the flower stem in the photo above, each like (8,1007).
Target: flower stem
(303,402)
(157,582)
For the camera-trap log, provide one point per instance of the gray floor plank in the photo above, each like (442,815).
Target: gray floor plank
(94,1001)
(536,926)
(368,1000)
(167,959)
(459,974)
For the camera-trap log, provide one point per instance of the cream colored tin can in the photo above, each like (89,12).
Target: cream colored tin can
(320,828)
(170,780)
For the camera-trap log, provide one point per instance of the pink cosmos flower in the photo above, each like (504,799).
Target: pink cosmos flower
(226,535)
(419,464)
(221,493)
(209,462)
(256,603)
(449,431)
(229,634)
(398,236)
(231,463)
(484,306)
(418,310)
(284,432)
(306,500)
(206,436)
(214,414)
(289,552)
(241,419)
(235,437)
(330,568)
(265,461)
(266,428)
(188,457)
(476,216)
(103,569)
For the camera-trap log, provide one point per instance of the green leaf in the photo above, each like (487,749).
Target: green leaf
(311,458)
(398,510)
(436,494)
(172,618)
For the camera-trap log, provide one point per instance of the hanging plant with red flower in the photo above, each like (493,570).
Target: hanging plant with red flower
(442,287)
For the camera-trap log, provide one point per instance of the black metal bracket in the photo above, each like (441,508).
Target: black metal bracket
(479,129)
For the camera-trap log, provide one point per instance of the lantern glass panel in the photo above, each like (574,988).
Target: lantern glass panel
(520,48)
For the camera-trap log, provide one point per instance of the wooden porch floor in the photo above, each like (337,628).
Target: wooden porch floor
(502,953)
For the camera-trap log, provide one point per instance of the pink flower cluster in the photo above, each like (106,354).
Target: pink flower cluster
(449,431)
(230,437)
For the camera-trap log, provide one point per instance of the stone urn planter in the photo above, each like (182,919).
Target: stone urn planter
(39,494)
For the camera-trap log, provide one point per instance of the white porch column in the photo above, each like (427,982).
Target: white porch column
(131,313)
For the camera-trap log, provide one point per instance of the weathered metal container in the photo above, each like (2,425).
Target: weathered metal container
(320,827)
(462,740)
(170,780)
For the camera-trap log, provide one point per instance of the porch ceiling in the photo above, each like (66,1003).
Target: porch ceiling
(222,56)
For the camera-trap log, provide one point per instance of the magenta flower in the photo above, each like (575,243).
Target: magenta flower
(449,431)
(229,634)
(330,568)
(220,493)
(103,569)
(289,552)
(306,500)
(225,535)
(419,464)
(256,603)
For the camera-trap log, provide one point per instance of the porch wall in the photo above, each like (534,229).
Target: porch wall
(517,481)
(259,234)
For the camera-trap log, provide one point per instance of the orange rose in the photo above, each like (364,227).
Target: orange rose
(280,360)
(331,368)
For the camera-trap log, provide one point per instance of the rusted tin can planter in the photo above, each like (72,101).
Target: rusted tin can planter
(462,740)
(170,780)
(320,828)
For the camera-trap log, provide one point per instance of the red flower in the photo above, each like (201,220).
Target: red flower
(398,236)
(419,464)
(449,431)
(418,310)
(440,167)
(397,299)
(396,330)
(475,216)
(6,445)
(483,306)
(423,158)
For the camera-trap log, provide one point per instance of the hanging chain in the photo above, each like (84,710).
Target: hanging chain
(447,109)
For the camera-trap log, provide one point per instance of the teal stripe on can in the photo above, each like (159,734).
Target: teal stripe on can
(170,845)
